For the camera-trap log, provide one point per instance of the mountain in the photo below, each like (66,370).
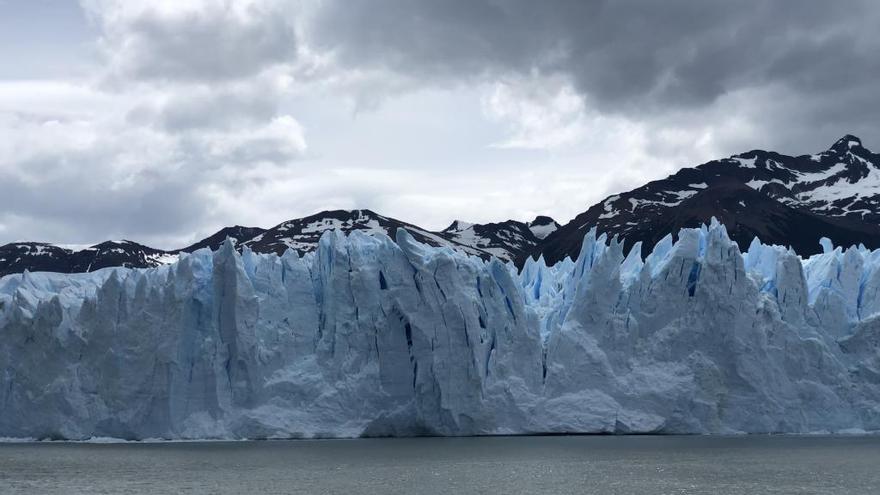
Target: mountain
(302,234)
(17,257)
(508,241)
(372,337)
(119,253)
(34,256)
(786,200)
(542,226)
(213,242)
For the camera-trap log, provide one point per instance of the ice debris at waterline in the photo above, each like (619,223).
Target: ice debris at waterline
(369,337)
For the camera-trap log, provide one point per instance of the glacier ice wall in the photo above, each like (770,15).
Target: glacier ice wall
(371,337)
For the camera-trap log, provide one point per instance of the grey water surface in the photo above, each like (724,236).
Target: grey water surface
(509,465)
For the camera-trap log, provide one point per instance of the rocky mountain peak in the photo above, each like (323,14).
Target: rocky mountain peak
(846,143)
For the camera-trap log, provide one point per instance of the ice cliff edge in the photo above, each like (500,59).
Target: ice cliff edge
(366,336)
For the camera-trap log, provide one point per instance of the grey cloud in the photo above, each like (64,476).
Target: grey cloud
(208,108)
(89,211)
(794,75)
(221,111)
(199,41)
(79,180)
(628,56)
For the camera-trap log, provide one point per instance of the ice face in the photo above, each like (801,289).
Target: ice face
(366,336)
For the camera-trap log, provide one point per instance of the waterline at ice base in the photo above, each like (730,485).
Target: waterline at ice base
(371,337)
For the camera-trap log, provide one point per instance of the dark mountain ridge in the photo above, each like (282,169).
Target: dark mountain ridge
(786,200)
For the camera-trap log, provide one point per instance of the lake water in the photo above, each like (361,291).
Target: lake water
(509,465)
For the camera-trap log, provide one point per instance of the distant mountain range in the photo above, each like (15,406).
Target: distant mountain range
(786,200)
(509,241)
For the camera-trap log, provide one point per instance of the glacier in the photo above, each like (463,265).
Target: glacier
(371,337)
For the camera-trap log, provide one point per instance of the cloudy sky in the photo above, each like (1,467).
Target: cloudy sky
(163,121)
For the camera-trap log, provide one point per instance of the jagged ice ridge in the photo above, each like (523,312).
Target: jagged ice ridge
(366,336)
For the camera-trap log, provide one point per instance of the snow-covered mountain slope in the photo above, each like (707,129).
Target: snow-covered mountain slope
(126,254)
(796,200)
(17,257)
(843,181)
(303,234)
(238,234)
(508,241)
(785,200)
(542,226)
(365,336)
(20,256)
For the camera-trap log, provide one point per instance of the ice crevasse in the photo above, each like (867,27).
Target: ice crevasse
(367,336)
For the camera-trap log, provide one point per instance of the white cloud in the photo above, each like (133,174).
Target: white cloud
(540,113)
(193,99)
(194,40)
(279,142)
(80,169)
